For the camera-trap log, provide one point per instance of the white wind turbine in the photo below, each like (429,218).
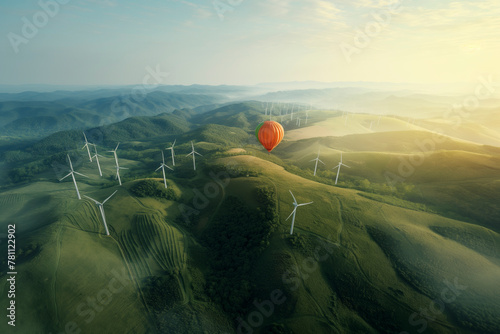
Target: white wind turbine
(101,208)
(172,149)
(338,166)
(162,166)
(96,156)
(193,152)
(72,173)
(295,206)
(316,166)
(87,146)
(117,165)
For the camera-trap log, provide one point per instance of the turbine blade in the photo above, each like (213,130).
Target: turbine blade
(322,162)
(302,204)
(109,197)
(80,174)
(158,168)
(168,167)
(174,143)
(163,157)
(65,177)
(294,200)
(346,166)
(291,213)
(122,168)
(93,200)
(117,146)
(198,153)
(70,164)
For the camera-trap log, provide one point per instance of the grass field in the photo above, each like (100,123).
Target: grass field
(361,260)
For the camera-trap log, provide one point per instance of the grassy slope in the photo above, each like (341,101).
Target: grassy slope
(389,258)
(362,259)
(351,289)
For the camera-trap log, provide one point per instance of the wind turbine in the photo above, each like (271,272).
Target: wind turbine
(193,152)
(117,165)
(316,166)
(172,149)
(338,166)
(72,173)
(295,206)
(96,156)
(101,208)
(87,146)
(162,166)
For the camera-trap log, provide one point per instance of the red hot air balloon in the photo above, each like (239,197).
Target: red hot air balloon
(270,134)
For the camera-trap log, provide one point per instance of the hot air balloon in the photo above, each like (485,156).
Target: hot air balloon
(270,134)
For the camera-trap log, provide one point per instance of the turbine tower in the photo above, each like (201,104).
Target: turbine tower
(117,165)
(87,146)
(96,156)
(338,166)
(171,148)
(72,173)
(316,166)
(101,209)
(162,166)
(295,206)
(193,152)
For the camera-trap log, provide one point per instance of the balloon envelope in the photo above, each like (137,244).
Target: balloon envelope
(257,130)
(270,134)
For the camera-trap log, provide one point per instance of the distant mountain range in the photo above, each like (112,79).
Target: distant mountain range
(36,119)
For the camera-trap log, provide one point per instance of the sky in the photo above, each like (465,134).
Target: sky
(119,42)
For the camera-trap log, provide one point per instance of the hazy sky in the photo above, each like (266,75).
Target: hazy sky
(252,41)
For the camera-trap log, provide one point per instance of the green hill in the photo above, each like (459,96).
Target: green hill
(407,241)
(350,260)
(37,119)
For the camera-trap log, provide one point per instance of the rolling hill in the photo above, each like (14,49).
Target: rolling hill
(367,256)
(37,119)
